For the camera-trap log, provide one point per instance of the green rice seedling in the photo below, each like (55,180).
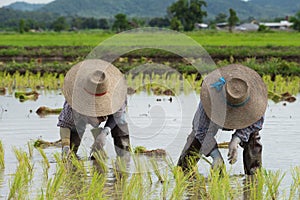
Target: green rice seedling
(156,170)
(68,179)
(174,82)
(220,185)
(54,184)
(137,187)
(149,176)
(45,162)
(23,158)
(254,186)
(129,79)
(147,84)
(181,184)
(196,185)
(100,162)
(2,162)
(95,188)
(23,176)
(43,110)
(272,181)
(139,165)
(295,187)
(30,149)
(76,177)
(120,168)
(187,87)
(139,149)
(61,79)
(17,187)
(165,185)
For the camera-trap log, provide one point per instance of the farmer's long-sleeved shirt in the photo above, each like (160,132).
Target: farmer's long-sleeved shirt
(69,118)
(205,130)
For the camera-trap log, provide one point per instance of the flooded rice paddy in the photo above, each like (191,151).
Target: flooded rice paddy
(154,122)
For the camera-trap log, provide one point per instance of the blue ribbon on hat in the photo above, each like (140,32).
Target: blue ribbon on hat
(219,84)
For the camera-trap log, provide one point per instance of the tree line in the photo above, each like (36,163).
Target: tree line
(182,15)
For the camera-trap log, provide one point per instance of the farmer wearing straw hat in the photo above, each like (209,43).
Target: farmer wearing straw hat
(95,91)
(232,97)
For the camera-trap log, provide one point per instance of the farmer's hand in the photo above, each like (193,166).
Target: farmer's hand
(100,137)
(233,146)
(217,158)
(65,135)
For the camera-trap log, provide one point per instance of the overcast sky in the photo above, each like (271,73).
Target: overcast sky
(7,2)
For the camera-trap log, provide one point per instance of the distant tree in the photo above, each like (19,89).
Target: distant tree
(220,18)
(188,12)
(176,24)
(90,23)
(137,22)
(31,24)
(121,23)
(263,28)
(60,24)
(159,22)
(296,21)
(232,19)
(22,26)
(103,24)
(76,22)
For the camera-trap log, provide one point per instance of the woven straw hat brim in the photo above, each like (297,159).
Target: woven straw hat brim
(214,102)
(88,104)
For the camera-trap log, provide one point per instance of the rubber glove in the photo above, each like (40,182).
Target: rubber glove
(99,135)
(233,146)
(65,135)
(217,158)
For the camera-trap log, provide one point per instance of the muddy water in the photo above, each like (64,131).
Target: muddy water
(154,122)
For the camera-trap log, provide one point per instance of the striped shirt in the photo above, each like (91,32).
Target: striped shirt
(205,130)
(69,118)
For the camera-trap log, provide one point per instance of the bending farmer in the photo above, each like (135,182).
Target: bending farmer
(95,91)
(232,97)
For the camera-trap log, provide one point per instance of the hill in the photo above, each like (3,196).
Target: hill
(109,8)
(23,6)
(258,9)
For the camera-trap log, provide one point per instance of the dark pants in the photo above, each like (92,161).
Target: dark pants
(120,135)
(251,155)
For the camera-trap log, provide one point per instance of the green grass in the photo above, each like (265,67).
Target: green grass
(53,39)
(93,38)
(246,39)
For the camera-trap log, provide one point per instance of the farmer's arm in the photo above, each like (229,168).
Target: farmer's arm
(205,130)
(119,131)
(65,122)
(65,118)
(244,134)
(118,118)
(69,120)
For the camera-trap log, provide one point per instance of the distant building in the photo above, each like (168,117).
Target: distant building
(247,27)
(201,26)
(277,25)
(222,25)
